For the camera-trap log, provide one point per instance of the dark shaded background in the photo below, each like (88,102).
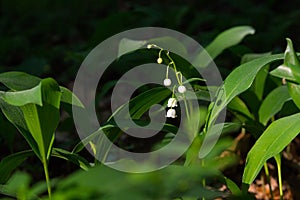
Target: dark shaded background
(52,37)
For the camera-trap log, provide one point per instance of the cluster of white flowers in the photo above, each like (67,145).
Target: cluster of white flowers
(172,102)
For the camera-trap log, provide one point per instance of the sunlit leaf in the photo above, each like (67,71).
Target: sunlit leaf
(15,116)
(239,80)
(290,69)
(42,121)
(19,80)
(275,138)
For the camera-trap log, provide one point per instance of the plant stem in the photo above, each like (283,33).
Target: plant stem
(268,179)
(186,108)
(203,180)
(278,162)
(45,164)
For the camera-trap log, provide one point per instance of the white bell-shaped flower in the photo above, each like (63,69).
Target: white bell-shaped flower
(167,82)
(181,89)
(172,102)
(171,113)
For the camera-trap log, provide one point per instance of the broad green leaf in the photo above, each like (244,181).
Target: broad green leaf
(224,40)
(25,83)
(238,81)
(273,104)
(15,116)
(290,69)
(11,162)
(127,45)
(72,157)
(275,138)
(20,98)
(18,80)
(42,121)
(294,91)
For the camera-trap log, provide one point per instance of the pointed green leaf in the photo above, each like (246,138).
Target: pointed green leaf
(290,69)
(283,72)
(42,121)
(238,81)
(294,91)
(20,98)
(291,60)
(15,116)
(19,80)
(26,83)
(275,138)
(273,104)
(224,40)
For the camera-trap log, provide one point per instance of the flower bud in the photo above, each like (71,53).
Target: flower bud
(181,89)
(159,60)
(167,82)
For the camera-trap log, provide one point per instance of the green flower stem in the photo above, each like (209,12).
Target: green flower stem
(172,61)
(175,69)
(186,107)
(278,162)
(45,164)
(203,180)
(268,179)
